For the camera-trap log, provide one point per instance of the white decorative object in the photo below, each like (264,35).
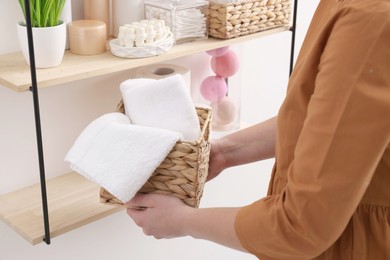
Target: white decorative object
(143,32)
(49,44)
(125,12)
(147,50)
(140,36)
(142,39)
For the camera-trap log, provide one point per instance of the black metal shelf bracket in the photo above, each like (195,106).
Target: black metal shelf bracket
(293,30)
(34,90)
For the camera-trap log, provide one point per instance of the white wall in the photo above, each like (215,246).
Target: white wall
(65,111)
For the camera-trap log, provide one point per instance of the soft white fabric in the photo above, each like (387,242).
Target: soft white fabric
(164,103)
(120,156)
(89,134)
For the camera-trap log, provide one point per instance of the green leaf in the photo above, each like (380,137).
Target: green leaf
(60,8)
(44,13)
(21,2)
(47,11)
(38,14)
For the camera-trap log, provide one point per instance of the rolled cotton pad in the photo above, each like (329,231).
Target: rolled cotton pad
(213,88)
(218,52)
(224,111)
(226,65)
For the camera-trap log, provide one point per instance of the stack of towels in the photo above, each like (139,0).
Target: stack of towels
(121,151)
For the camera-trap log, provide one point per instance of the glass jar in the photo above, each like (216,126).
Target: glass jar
(187,19)
(220,89)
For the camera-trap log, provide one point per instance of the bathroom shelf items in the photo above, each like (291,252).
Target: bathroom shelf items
(70,200)
(15,74)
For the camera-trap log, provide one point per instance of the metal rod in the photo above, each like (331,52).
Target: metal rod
(293,30)
(34,90)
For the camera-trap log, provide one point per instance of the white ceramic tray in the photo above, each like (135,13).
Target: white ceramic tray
(148,50)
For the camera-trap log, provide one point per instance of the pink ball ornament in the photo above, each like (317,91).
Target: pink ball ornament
(226,65)
(218,52)
(213,88)
(224,111)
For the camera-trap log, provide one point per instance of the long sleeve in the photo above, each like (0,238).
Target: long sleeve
(344,135)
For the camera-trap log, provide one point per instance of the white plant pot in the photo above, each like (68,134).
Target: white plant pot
(49,44)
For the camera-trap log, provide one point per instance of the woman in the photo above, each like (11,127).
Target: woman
(329,196)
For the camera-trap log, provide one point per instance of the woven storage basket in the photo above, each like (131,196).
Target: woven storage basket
(246,17)
(183,172)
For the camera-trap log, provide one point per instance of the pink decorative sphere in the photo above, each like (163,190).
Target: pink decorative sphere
(218,52)
(226,65)
(224,111)
(213,88)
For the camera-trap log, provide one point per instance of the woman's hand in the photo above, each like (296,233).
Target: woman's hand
(158,215)
(164,216)
(217,161)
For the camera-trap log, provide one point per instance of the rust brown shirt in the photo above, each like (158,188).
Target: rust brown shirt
(329,196)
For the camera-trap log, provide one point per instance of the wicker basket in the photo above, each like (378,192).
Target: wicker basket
(246,17)
(183,172)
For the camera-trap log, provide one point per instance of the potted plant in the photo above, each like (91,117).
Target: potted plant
(49,32)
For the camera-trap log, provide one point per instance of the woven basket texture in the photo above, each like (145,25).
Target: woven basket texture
(183,172)
(246,17)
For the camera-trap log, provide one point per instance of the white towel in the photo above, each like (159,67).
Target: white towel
(90,133)
(165,103)
(119,156)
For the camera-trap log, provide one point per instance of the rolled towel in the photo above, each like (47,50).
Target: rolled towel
(165,103)
(120,156)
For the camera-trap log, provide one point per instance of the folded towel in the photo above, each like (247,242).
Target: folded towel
(165,103)
(90,133)
(119,156)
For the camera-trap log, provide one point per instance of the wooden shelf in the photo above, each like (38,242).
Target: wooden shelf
(73,201)
(15,73)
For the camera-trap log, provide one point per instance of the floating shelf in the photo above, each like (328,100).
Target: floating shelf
(73,201)
(15,73)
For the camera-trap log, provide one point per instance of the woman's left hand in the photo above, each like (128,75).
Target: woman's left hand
(158,215)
